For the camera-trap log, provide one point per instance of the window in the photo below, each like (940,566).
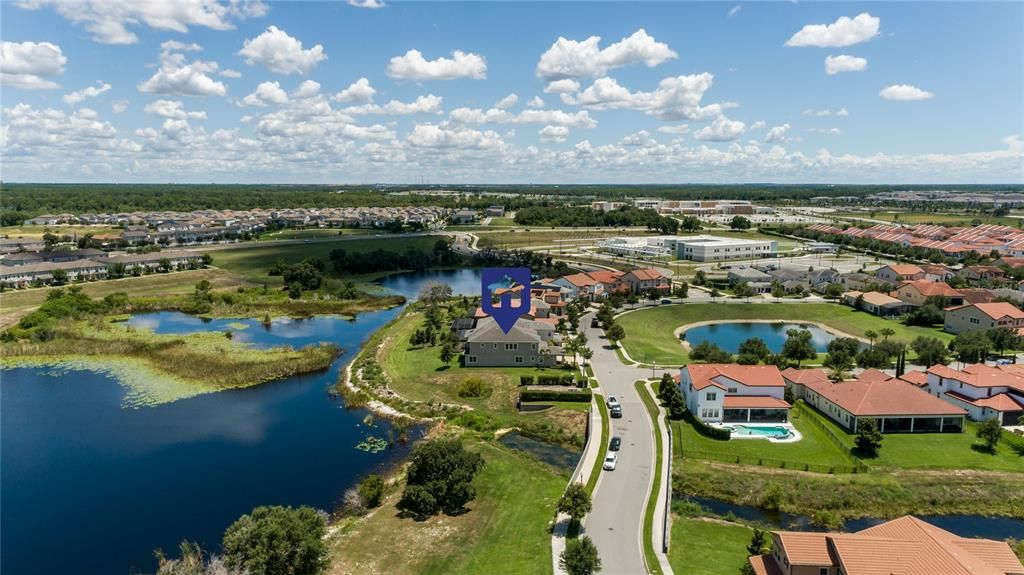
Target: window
(511,346)
(519,359)
(732,390)
(712,396)
(470,359)
(823,571)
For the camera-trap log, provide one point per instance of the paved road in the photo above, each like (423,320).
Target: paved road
(615,524)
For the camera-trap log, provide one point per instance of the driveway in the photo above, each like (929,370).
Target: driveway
(615,523)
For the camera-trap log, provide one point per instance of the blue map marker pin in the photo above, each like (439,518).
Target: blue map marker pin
(504,313)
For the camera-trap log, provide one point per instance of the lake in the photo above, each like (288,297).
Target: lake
(91,487)
(729,335)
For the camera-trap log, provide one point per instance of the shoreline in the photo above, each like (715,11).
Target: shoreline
(831,330)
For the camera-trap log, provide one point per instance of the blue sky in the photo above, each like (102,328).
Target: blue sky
(672,92)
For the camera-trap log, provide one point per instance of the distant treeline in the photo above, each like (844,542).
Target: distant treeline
(579,216)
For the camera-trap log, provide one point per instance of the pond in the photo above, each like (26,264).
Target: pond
(729,335)
(998,528)
(463,281)
(107,484)
(556,455)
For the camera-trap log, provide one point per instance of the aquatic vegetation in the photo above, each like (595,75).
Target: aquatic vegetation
(237,325)
(372,444)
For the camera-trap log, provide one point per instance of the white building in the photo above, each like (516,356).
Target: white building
(985,392)
(718,392)
(716,248)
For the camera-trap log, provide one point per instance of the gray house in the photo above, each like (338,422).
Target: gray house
(528,344)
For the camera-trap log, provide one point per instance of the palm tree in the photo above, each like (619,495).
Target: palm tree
(872,336)
(587,353)
(886,332)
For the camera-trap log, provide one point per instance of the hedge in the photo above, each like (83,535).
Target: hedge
(526,380)
(705,429)
(566,379)
(545,395)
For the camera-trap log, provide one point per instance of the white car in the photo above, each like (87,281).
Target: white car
(612,401)
(609,462)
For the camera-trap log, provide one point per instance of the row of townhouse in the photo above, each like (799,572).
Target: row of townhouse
(950,241)
(761,277)
(599,284)
(91,268)
(687,207)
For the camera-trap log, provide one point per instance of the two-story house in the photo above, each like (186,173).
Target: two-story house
(646,280)
(528,343)
(983,316)
(985,392)
(899,272)
(917,292)
(729,393)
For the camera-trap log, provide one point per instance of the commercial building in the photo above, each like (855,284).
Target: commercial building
(702,248)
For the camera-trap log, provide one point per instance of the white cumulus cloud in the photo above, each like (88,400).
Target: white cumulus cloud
(358,92)
(721,130)
(176,76)
(119,106)
(29,65)
(565,86)
(429,104)
(278,52)
(553,134)
(844,63)
(535,102)
(904,92)
(676,98)
(413,66)
(371,4)
(108,20)
(266,94)
(172,109)
(585,59)
(306,89)
(507,102)
(845,31)
(579,119)
(87,92)
(678,129)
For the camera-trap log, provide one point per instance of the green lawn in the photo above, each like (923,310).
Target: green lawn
(941,450)
(253,262)
(295,234)
(649,331)
(542,237)
(505,530)
(653,565)
(503,222)
(929,218)
(813,448)
(700,547)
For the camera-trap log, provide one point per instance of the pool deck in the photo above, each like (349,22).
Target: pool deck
(793,437)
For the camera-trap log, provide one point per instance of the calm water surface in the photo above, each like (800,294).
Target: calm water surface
(90,487)
(729,335)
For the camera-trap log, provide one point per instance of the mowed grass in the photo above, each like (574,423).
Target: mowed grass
(294,234)
(539,236)
(941,450)
(502,222)
(15,304)
(254,261)
(700,547)
(813,448)
(504,531)
(418,374)
(930,218)
(649,332)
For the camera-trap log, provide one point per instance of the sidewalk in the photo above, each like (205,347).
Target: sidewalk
(591,451)
(661,522)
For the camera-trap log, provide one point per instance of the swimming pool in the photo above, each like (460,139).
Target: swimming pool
(769,431)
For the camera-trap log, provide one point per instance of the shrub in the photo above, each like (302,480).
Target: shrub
(472,387)
(705,429)
(580,557)
(371,489)
(440,478)
(582,395)
(475,421)
(273,540)
(526,380)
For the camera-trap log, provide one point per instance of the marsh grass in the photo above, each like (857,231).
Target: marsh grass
(163,368)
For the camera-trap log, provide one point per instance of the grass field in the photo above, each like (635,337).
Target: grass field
(253,262)
(503,222)
(505,530)
(702,547)
(649,331)
(813,448)
(15,304)
(645,391)
(940,450)
(508,239)
(293,234)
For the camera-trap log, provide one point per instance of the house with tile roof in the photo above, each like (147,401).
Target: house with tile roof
(983,316)
(645,280)
(899,272)
(731,393)
(877,303)
(985,392)
(580,285)
(917,292)
(904,546)
(897,406)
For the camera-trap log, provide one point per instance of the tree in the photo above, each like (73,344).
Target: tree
(971,346)
(165,264)
(778,291)
(755,348)
(435,292)
(575,502)
(447,353)
(681,290)
(272,540)
(989,432)
(709,352)
(743,290)
(869,437)
(930,350)
(580,557)
(615,334)
(60,277)
(885,332)
(840,362)
(834,291)
(700,278)
(798,346)
(759,544)
(1002,338)
(192,562)
(740,223)
(586,353)
(872,335)
(371,489)
(440,478)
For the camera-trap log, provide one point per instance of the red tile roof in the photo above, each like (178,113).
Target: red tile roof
(995,310)
(918,378)
(998,402)
(647,274)
(980,375)
(929,288)
(804,375)
(905,269)
(754,402)
(708,374)
(890,397)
